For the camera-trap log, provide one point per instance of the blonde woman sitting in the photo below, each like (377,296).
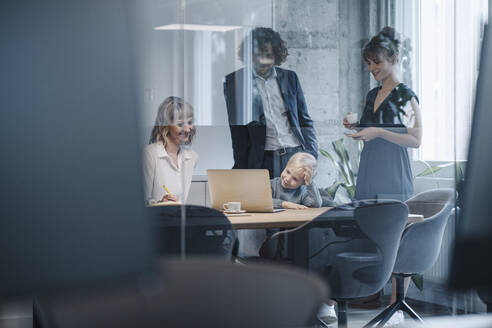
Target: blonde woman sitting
(167,161)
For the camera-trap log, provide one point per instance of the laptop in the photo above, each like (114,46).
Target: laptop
(250,187)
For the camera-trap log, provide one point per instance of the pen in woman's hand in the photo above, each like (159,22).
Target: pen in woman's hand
(167,190)
(169,197)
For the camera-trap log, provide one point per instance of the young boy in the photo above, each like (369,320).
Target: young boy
(294,188)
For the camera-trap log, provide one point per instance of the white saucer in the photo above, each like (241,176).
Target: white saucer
(234,212)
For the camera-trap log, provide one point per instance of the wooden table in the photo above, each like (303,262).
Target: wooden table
(289,218)
(283,219)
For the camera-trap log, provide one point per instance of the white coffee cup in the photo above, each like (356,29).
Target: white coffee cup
(232,206)
(351,118)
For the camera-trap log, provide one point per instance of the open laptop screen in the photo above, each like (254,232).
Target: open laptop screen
(250,187)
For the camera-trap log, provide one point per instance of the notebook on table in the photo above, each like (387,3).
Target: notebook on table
(250,187)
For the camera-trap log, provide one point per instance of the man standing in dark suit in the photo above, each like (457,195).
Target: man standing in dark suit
(267,111)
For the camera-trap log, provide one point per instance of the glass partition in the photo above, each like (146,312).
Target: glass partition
(255,97)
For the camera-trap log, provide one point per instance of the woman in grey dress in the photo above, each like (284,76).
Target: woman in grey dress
(390,123)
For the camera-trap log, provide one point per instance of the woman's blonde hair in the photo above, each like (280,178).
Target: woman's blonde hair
(170,109)
(302,159)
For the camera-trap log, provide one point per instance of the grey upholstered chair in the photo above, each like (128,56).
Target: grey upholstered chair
(365,265)
(355,252)
(208,232)
(419,246)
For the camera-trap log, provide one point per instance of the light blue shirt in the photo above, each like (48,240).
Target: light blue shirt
(278,131)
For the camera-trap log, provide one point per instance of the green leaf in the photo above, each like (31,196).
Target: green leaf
(344,167)
(338,164)
(351,191)
(360,146)
(344,161)
(433,169)
(341,151)
(418,280)
(325,153)
(344,199)
(329,156)
(332,190)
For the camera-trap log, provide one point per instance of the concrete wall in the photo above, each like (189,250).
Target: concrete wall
(311,30)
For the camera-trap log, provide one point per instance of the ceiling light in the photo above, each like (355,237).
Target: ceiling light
(197,27)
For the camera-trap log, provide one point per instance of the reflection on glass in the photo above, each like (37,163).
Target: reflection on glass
(250,117)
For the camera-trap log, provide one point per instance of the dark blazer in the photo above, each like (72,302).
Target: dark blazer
(248,128)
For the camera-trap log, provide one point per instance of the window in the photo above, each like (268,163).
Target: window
(450,38)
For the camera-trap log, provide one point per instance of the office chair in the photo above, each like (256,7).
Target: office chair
(208,231)
(419,246)
(356,258)
(193,293)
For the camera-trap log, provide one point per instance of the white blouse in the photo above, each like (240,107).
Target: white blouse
(159,170)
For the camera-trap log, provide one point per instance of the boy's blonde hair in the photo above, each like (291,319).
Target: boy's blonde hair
(302,159)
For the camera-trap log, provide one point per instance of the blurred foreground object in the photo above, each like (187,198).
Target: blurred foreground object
(195,293)
(71,211)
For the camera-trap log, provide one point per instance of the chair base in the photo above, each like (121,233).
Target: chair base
(342,306)
(400,304)
(384,316)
